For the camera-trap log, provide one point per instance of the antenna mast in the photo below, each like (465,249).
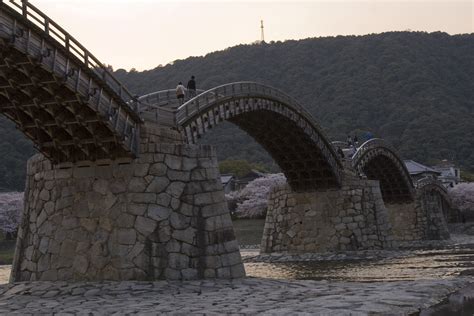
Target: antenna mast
(262,40)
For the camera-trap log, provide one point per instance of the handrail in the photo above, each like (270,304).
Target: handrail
(69,43)
(246,88)
(153,100)
(430,181)
(369,144)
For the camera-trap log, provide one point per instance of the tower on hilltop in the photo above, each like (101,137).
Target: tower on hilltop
(262,39)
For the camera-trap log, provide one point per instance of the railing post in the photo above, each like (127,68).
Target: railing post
(46,26)
(24,8)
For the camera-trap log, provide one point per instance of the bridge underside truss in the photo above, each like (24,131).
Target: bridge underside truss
(58,95)
(296,146)
(58,121)
(393,184)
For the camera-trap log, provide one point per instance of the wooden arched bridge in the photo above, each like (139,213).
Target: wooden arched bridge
(59,94)
(100,217)
(377,160)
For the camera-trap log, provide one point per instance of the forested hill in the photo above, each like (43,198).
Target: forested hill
(414,89)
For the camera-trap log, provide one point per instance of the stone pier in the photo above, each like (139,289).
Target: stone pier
(160,216)
(351,218)
(422,219)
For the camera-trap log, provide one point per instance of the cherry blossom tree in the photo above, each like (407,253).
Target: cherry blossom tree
(462,196)
(251,201)
(11,206)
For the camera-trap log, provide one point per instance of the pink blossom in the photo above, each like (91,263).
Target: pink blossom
(462,196)
(253,199)
(11,206)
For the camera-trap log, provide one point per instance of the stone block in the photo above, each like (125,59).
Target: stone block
(189,274)
(159,184)
(176,189)
(117,186)
(50,275)
(137,185)
(44,195)
(84,172)
(125,220)
(210,273)
(158,169)
(173,162)
(187,235)
(173,246)
(175,175)
(137,209)
(189,163)
(100,186)
(203,199)
(198,175)
(172,274)
(89,224)
(146,198)
(189,250)
(179,221)
(145,225)
(178,261)
(224,273)
(141,170)
(158,212)
(80,264)
(163,199)
(126,236)
(237,271)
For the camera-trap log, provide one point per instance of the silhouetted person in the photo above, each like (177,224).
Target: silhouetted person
(340,152)
(180,91)
(349,140)
(191,87)
(356,141)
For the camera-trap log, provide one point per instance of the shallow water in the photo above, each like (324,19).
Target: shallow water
(419,265)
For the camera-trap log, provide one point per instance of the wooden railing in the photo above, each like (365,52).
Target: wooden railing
(38,36)
(236,89)
(369,144)
(208,99)
(161,98)
(430,181)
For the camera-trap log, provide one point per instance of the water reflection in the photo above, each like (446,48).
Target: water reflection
(422,265)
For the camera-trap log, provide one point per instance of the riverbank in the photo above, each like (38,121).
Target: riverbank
(217,297)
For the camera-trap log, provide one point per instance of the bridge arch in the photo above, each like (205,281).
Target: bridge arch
(439,193)
(273,119)
(379,161)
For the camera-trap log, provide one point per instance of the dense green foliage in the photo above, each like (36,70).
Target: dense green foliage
(414,89)
(239,168)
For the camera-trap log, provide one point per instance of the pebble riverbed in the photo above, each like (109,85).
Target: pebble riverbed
(366,283)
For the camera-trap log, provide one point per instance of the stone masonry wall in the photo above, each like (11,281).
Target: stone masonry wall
(423,219)
(161,216)
(351,218)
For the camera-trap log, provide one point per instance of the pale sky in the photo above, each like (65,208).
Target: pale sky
(142,34)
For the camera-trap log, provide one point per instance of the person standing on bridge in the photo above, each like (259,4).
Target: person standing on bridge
(180,91)
(349,140)
(356,141)
(191,87)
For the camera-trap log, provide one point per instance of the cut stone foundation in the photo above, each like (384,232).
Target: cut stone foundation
(423,219)
(351,218)
(161,216)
